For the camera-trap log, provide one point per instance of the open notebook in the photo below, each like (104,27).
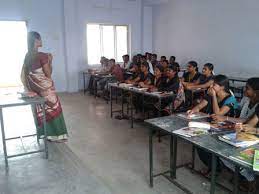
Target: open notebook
(193,116)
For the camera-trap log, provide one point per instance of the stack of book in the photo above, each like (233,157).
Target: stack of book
(249,156)
(239,139)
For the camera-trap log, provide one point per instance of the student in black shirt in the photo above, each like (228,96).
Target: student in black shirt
(205,80)
(192,74)
(172,81)
(172,60)
(159,79)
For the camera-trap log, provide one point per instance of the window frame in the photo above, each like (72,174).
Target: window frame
(101,40)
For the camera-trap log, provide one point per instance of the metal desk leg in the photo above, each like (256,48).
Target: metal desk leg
(193,157)
(159,115)
(213,174)
(45,131)
(33,107)
(84,83)
(173,156)
(111,100)
(95,87)
(236,180)
(3,138)
(150,157)
(131,107)
(122,103)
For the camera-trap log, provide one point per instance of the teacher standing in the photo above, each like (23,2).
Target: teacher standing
(36,77)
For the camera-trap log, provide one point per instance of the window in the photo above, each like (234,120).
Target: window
(13,47)
(110,41)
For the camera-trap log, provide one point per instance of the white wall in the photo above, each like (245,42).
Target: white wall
(225,33)
(62,24)
(147,30)
(46,17)
(99,11)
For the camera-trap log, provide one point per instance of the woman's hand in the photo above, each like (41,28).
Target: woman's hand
(218,118)
(211,92)
(192,111)
(141,84)
(245,128)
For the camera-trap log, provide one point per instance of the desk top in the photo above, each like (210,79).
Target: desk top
(16,100)
(238,79)
(142,91)
(208,142)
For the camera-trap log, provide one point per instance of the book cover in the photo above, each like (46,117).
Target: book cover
(256,161)
(239,140)
(246,156)
(190,131)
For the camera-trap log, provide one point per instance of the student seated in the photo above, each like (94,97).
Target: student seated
(113,69)
(126,62)
(192,75)
(154,61)
(177,66)
(165,64)
(172,81)
(204,81)
(159,80)
(248,103)
(145,78)
(220,102)
(150,66)
(249,115)
(248,177)
(172,60)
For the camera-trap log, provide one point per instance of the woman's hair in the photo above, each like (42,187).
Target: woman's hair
(160,67)
(222,80)
(253,83)
(209,66)
(31,37)
(174,68)
(31,55)
(145,64)
(194,64)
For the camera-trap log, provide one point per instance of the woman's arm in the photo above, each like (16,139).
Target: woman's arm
(202,86)
(47,67)
(198,107)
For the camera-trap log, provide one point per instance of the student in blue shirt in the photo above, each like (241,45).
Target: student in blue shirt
(219,101)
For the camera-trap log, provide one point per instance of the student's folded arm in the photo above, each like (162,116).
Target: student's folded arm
(203,86)
(200,106)
(221,111)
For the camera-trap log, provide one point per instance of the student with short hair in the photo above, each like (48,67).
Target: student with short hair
(126,62)
(154,61)
(162,58)
(148,56)
(172,60)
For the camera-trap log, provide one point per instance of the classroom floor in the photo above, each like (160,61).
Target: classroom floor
(102,156)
